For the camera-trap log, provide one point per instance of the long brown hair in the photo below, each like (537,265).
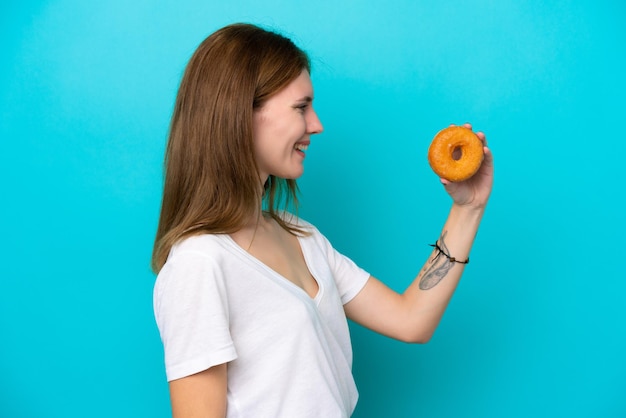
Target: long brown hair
(212,184)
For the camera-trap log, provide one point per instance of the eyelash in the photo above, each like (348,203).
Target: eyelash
(302,108)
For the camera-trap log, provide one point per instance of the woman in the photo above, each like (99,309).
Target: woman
(251,304)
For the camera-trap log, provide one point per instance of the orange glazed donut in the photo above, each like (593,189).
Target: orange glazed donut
(455,153)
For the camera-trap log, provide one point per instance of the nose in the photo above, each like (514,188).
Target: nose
(313,124)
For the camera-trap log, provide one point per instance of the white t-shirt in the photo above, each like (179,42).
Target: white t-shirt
(289,355)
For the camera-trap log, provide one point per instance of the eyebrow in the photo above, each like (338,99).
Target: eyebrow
(307,99)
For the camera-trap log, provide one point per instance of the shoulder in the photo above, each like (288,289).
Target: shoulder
(311,236)
(194,263)
(210,246)
(205,252)
(298,222)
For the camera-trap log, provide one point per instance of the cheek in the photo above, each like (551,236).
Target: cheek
(288,129)
(262,134)
(297,126)
(282,129)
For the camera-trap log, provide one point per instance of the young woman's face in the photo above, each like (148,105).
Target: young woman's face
(282,130)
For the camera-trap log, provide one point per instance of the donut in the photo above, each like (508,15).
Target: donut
(455,153)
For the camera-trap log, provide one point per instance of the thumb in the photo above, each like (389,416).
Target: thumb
(447,184)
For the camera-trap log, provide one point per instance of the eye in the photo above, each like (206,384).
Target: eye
(302,107)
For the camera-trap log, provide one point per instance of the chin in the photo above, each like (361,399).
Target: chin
(291,176)
(294,174)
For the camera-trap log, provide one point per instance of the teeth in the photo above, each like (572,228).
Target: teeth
(301,147)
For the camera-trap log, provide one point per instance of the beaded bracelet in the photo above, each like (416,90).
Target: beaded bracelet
(452,259)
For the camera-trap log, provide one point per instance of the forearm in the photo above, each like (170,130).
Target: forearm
(428,296)
(413,315)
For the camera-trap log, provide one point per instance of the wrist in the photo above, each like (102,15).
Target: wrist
(468,211)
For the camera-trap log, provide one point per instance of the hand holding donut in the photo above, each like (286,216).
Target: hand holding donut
(464,163)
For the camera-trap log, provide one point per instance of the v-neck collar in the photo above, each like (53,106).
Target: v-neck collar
(277,277)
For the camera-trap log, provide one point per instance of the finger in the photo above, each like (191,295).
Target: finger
(488,158)
(450,186)
(482,137)
(488,155)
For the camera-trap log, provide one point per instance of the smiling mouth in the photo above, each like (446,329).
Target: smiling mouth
(301,147)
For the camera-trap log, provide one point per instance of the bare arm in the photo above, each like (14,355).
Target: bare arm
(202,395)
(414,315)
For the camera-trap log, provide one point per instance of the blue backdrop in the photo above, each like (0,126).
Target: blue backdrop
(537,326)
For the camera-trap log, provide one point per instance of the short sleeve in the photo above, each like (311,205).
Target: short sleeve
(191,311)
(349,278)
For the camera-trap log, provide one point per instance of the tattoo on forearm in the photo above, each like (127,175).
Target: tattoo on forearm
(438,267)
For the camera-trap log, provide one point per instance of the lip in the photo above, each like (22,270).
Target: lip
(305,143)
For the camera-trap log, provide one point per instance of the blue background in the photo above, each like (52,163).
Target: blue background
(537,326)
